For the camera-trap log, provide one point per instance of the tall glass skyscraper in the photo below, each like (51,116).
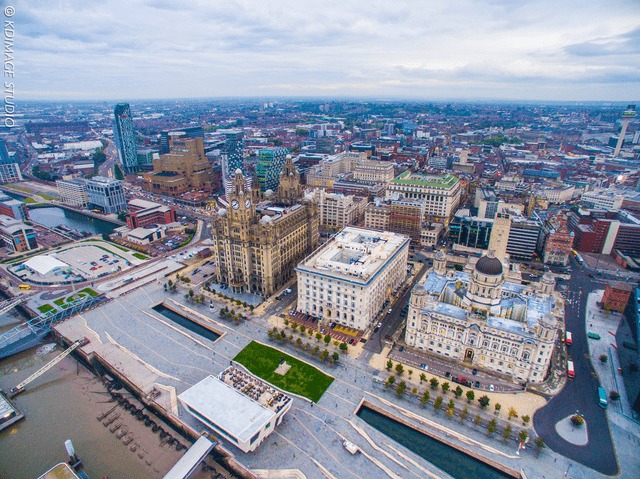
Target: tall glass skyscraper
(125,139)
(270,161)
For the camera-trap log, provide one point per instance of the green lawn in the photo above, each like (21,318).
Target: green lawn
(45,308)
(29,200)
(301,379)
(140,256)
(59,301)
(89,291)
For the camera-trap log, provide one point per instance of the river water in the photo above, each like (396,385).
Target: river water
(62,404)
(53,216)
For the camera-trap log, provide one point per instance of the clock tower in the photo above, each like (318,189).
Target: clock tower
(242,200)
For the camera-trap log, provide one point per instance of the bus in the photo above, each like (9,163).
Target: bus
(568,338)
(571,373)
(25,287)
(602,398)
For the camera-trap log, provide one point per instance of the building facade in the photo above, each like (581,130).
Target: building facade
(483,320)
(9,166)
(16,235)
(258,243)
(233,156)
(144,213)
(13,208)
(441,193)
(338,210)
(73,192)
(270,162)
(559,241)
(184,169)
(373,171)
(348,279)
(616,296)
(106,194)
(402,216)
(125,138)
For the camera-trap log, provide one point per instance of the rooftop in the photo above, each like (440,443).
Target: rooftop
(418,179)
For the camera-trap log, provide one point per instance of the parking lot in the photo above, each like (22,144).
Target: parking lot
(203,272)
(91,261)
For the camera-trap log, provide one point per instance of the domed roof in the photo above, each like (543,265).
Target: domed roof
(489,265)
(238,171)
(441,256)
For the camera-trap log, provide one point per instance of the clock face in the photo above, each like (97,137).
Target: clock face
(235,205)
(247,203)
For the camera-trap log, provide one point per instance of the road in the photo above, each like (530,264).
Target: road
(580,394)
(112,158)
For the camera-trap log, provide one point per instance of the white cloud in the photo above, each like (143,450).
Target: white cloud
(492,48)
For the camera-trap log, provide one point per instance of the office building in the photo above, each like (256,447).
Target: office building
(402,216)
(244,416)
(480,319)
(616,296)
(558,240)
(184,169)
(17,236)
(144,213)
(73,192)
(440,192)
(628,350)
(470,231)
(106,194)
(270,162)
(257,244)
(125,138)
(9,166)
(232,155)
(373,171)
(338,210)
(13,208)
(523,237)
(189,132)
(349,278)
(602,199)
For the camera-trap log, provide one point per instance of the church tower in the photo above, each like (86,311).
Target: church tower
(289,190)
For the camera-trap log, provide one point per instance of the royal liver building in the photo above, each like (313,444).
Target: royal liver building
(480,318)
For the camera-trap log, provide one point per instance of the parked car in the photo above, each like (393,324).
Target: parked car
(491,388)
(474,372)
(401,348)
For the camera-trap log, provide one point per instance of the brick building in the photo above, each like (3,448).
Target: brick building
(616,296)
(143,213)
(559,241)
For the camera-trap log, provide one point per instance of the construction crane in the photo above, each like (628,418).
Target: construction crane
(20,387)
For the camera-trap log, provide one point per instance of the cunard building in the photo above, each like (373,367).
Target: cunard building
(259,240)
(484,320)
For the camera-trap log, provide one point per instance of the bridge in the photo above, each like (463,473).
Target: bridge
(10,303)
(30,334)
(191,459)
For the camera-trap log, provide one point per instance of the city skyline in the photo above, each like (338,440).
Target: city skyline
(479,50)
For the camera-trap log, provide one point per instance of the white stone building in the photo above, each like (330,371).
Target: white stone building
(482,319)
(373,171)
(348,279)
(337,210)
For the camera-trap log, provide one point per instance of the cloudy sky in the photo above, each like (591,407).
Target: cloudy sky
(489,49)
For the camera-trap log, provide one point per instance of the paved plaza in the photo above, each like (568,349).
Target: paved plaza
(154,352)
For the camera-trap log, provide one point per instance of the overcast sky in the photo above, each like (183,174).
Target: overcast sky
(491,49)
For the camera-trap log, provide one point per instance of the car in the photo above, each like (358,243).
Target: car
(388,336)
(323,331)
(476,384)
(379,325)
(474,372)
(376,330)
(278,298)
(447,374)
(424,366)
(389,310)
(401,348)
(491,388)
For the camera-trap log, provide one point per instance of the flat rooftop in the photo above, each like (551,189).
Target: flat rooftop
(355,252)
(227,407)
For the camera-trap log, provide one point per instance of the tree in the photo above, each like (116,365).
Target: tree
(324,355)
(484,401)
(118,173)
(401,388)
(603,358)
(270,333)
(540,445)
(414,391)
(343,346)
(410,372)
(335,356)
(470,395)
(525,420)
(303,328)
(286,322)
(425,397)
(512,413)
(399,369)
(294,326)
(327,339)
(437,403)
(451,410)
(497,407)
(318,336)
(390,381)
(451,404)
(315,350)
(191,293)
(434,383)
(445,387)
(577,420)
(458,392)
(522,435)
(299,342)
(389,364)
(464,413)
(423,377)
(491,427)
(477,420)
(507,432)
(336,343)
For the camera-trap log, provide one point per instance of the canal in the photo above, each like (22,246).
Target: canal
(53,216)
(450,460)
